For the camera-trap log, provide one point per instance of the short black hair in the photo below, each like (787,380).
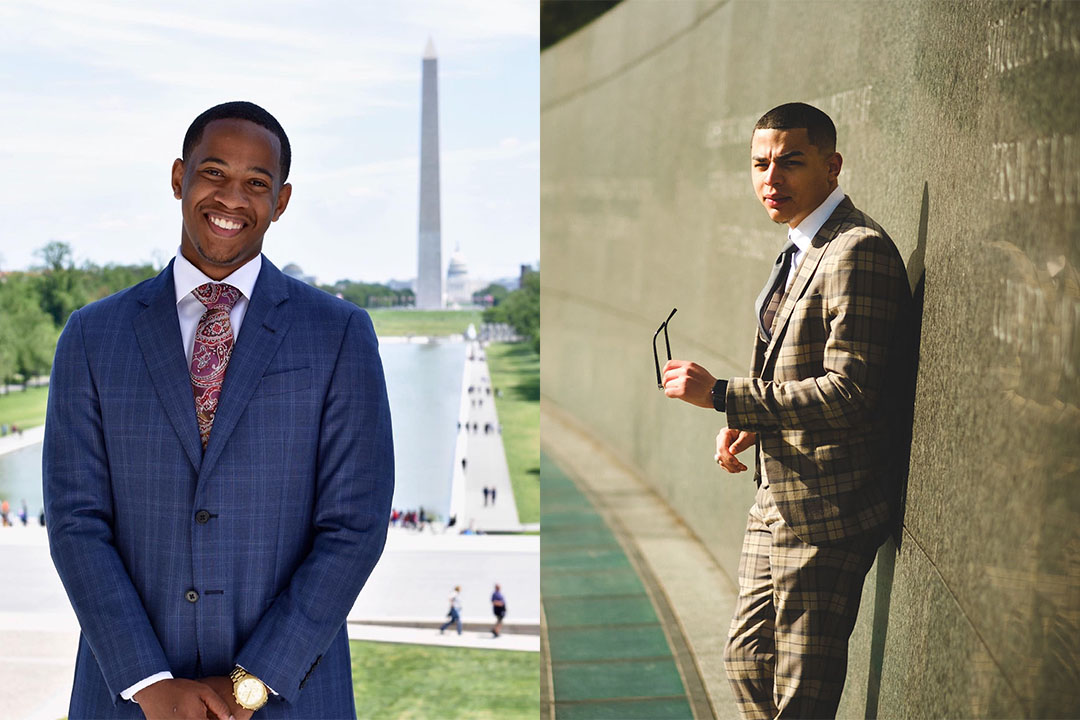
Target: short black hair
(239,110)
(790,116)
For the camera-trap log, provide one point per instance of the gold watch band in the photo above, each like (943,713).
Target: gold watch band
(239,675)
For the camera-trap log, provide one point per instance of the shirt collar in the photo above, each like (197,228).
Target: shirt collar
(804,233)
(187,277)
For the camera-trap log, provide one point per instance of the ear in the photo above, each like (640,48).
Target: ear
(177,178)
(282,201)
(835,162)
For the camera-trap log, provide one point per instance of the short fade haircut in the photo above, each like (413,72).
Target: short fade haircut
(240,110)
(791,116)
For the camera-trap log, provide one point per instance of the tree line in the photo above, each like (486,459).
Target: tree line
(521,309)
(371,294)
(35,306)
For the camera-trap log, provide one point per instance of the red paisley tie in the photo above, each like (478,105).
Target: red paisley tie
(213,346)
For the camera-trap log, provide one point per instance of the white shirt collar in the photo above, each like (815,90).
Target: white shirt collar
(187,277)
(804,233)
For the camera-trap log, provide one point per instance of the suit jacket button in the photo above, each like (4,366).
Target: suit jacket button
(191,596)
(202,517)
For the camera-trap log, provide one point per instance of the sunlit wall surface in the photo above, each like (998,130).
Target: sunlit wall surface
(959,128)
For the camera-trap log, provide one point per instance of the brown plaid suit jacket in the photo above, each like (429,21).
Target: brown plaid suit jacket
(821,393)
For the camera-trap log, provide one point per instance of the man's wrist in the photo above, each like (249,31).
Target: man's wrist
(719,395)
(129,694)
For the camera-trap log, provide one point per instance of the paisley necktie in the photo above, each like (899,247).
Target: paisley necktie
(213,346)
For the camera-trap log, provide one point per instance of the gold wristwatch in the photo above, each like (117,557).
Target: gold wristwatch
(249,691)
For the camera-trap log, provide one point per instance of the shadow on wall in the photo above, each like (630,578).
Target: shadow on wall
(886,557)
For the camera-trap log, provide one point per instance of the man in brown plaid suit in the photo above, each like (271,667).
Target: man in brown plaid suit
(832,329)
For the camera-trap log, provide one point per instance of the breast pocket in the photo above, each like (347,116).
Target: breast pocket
(284,382)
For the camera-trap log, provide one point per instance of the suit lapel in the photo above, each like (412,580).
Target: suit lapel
(807,268)
(157,329)
(265,324)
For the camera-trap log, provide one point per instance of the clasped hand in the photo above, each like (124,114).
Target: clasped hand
(210,698)
(729,443)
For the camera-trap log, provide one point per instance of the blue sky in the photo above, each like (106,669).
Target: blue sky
(97,97)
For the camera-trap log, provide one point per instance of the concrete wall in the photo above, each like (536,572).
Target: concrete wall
(959,127)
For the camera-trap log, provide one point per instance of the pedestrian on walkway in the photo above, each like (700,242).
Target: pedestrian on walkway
(4,509)
(498,606)
(492,494)
(487,492)
(454,614)
(462,464)
(24,512)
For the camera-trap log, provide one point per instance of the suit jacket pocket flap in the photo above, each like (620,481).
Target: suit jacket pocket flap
(283,382)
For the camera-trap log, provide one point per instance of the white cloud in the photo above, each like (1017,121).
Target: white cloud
(103,92)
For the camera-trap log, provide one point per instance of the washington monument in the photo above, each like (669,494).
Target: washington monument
(429,294)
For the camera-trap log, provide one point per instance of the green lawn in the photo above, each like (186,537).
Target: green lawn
(515,369)
(420,682)
(24,408)
(390,322)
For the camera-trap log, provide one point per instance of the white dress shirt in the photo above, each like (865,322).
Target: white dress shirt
(804,233)
(187,277)
(189,309)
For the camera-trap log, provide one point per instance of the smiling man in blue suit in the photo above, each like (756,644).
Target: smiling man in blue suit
(218,462)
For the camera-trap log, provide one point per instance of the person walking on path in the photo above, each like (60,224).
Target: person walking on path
(498,606)
(454,614)
(821,405)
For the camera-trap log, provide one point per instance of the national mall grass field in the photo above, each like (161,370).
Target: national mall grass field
(423,682)
(401,323)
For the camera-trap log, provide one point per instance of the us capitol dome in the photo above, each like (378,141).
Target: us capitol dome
(458,291)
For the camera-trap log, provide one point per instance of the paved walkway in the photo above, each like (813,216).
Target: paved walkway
(471,638)
(634,609)
(17,441)
(485,458)
(413,581)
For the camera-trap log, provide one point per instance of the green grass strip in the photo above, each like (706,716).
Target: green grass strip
(419,682)
(24,408)
(515,370)
(402,323)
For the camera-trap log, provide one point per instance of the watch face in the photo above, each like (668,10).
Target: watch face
(250,692)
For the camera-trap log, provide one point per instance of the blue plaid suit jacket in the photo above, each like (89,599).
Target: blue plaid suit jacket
(296,483)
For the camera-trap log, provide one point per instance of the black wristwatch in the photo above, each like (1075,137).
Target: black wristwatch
(719,395)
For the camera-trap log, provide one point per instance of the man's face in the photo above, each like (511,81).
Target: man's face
(230,191)
(791,176)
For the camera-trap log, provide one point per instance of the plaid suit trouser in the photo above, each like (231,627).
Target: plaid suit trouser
(786,655)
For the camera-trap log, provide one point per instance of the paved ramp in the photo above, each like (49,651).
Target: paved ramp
(485,459)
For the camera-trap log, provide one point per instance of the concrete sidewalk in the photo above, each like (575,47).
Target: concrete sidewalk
(692,595)
(17,441)
(469,638)
(485,458)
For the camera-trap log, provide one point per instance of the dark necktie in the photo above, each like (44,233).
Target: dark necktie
(213,347)
(768,302)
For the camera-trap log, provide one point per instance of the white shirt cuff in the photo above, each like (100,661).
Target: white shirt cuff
(260,680)
(129,694)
